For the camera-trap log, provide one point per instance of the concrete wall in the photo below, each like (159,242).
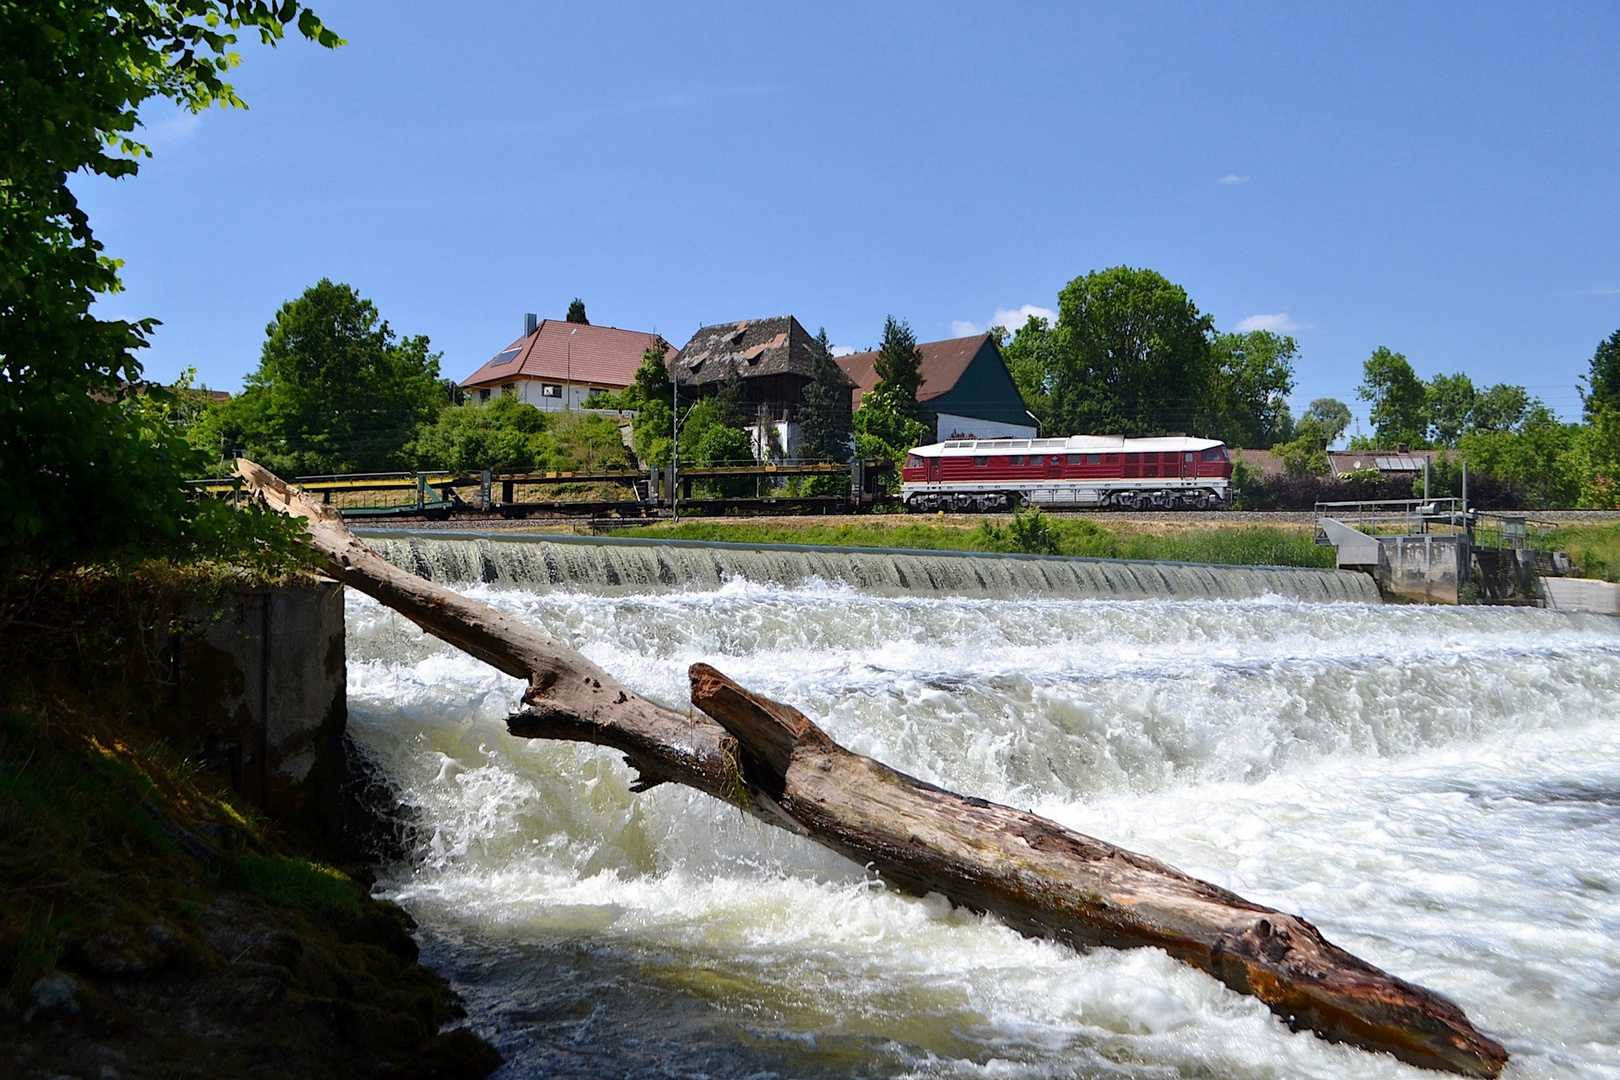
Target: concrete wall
(1424,569)
(1581,594)
(260,696)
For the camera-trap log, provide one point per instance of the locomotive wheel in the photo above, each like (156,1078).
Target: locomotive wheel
(1141,501)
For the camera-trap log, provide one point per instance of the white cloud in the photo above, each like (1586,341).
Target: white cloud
(1233,178)
(842,350)
(1279,323)
(166,126)
(1011,318)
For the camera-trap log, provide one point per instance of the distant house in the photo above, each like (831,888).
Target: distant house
(772,358)
(966,382)
(1391,463)
(556,365)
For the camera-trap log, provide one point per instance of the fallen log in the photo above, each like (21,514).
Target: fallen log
(1038,877)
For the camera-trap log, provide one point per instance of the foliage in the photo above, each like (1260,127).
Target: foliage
(898,366)
(576,312)
(582,440)
(1028,533)
(83,475)
(1251,376)
(1034,361)
(1595,548)
(1305,455)
(1449,401)
(890,421)
(1398,397)
(825,426)
(1602,389)
(1330,415)
(506,435)
(1133,356)
(335,390)
(1542,460)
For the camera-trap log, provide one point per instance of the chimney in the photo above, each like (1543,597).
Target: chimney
(531,323)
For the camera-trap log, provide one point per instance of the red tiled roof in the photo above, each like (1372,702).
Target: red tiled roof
(942,364)
(600,355)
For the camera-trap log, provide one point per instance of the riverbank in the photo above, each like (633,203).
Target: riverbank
(152,922)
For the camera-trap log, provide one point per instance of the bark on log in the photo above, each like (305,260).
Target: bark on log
(1038,877)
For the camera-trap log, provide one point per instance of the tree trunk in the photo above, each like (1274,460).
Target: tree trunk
(1038,877)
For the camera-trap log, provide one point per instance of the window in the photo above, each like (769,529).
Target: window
(551,389)
(1035,459)
(483,395)
(509,388)
(1074,459)
(1093,459)
(1216,453)
(913,461)
(981,461)
(1018,459)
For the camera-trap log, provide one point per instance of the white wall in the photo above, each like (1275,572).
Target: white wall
(528,392)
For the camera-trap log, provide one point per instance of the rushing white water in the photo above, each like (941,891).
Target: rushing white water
(1438,789)
(627,566)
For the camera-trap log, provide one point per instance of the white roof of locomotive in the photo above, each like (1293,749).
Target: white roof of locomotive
(1074,444)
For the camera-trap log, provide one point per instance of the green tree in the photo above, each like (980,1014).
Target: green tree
(1543,459)
(86,471)
(1252,375)
(1398,397)
(898,366)
(825,425)
(506,435)
(1034,359)
(1133,356)
(1502,407)
(1602,389)
(576,312)
(1331,415)
(1450,401)
(335,390)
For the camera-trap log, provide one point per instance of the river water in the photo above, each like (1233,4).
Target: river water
(1438,789)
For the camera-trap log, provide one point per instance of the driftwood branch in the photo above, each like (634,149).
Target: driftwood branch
(1040,878)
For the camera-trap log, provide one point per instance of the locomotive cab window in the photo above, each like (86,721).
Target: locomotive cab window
(1214,453)
(913,462)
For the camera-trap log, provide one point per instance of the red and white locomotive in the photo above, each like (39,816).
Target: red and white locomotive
(1163,473)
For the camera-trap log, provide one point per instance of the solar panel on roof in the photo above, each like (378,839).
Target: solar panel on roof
(504,358)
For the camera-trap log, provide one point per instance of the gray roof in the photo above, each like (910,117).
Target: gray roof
(755,347)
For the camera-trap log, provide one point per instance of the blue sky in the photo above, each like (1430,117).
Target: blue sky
(1440,179)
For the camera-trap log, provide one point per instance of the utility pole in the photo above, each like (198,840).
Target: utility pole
(675,441)
(568,387)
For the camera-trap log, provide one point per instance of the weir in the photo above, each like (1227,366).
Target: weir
(620,565)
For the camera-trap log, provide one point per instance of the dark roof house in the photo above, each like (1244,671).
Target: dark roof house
(965,381)
(773,357)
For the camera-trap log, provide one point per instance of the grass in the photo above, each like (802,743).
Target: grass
(1034,533)
(1594,548)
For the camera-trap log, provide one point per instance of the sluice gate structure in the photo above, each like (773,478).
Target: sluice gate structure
(1439,551)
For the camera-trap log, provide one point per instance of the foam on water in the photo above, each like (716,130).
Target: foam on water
(1438,789)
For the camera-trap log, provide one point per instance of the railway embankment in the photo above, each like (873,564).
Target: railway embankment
(182,882)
